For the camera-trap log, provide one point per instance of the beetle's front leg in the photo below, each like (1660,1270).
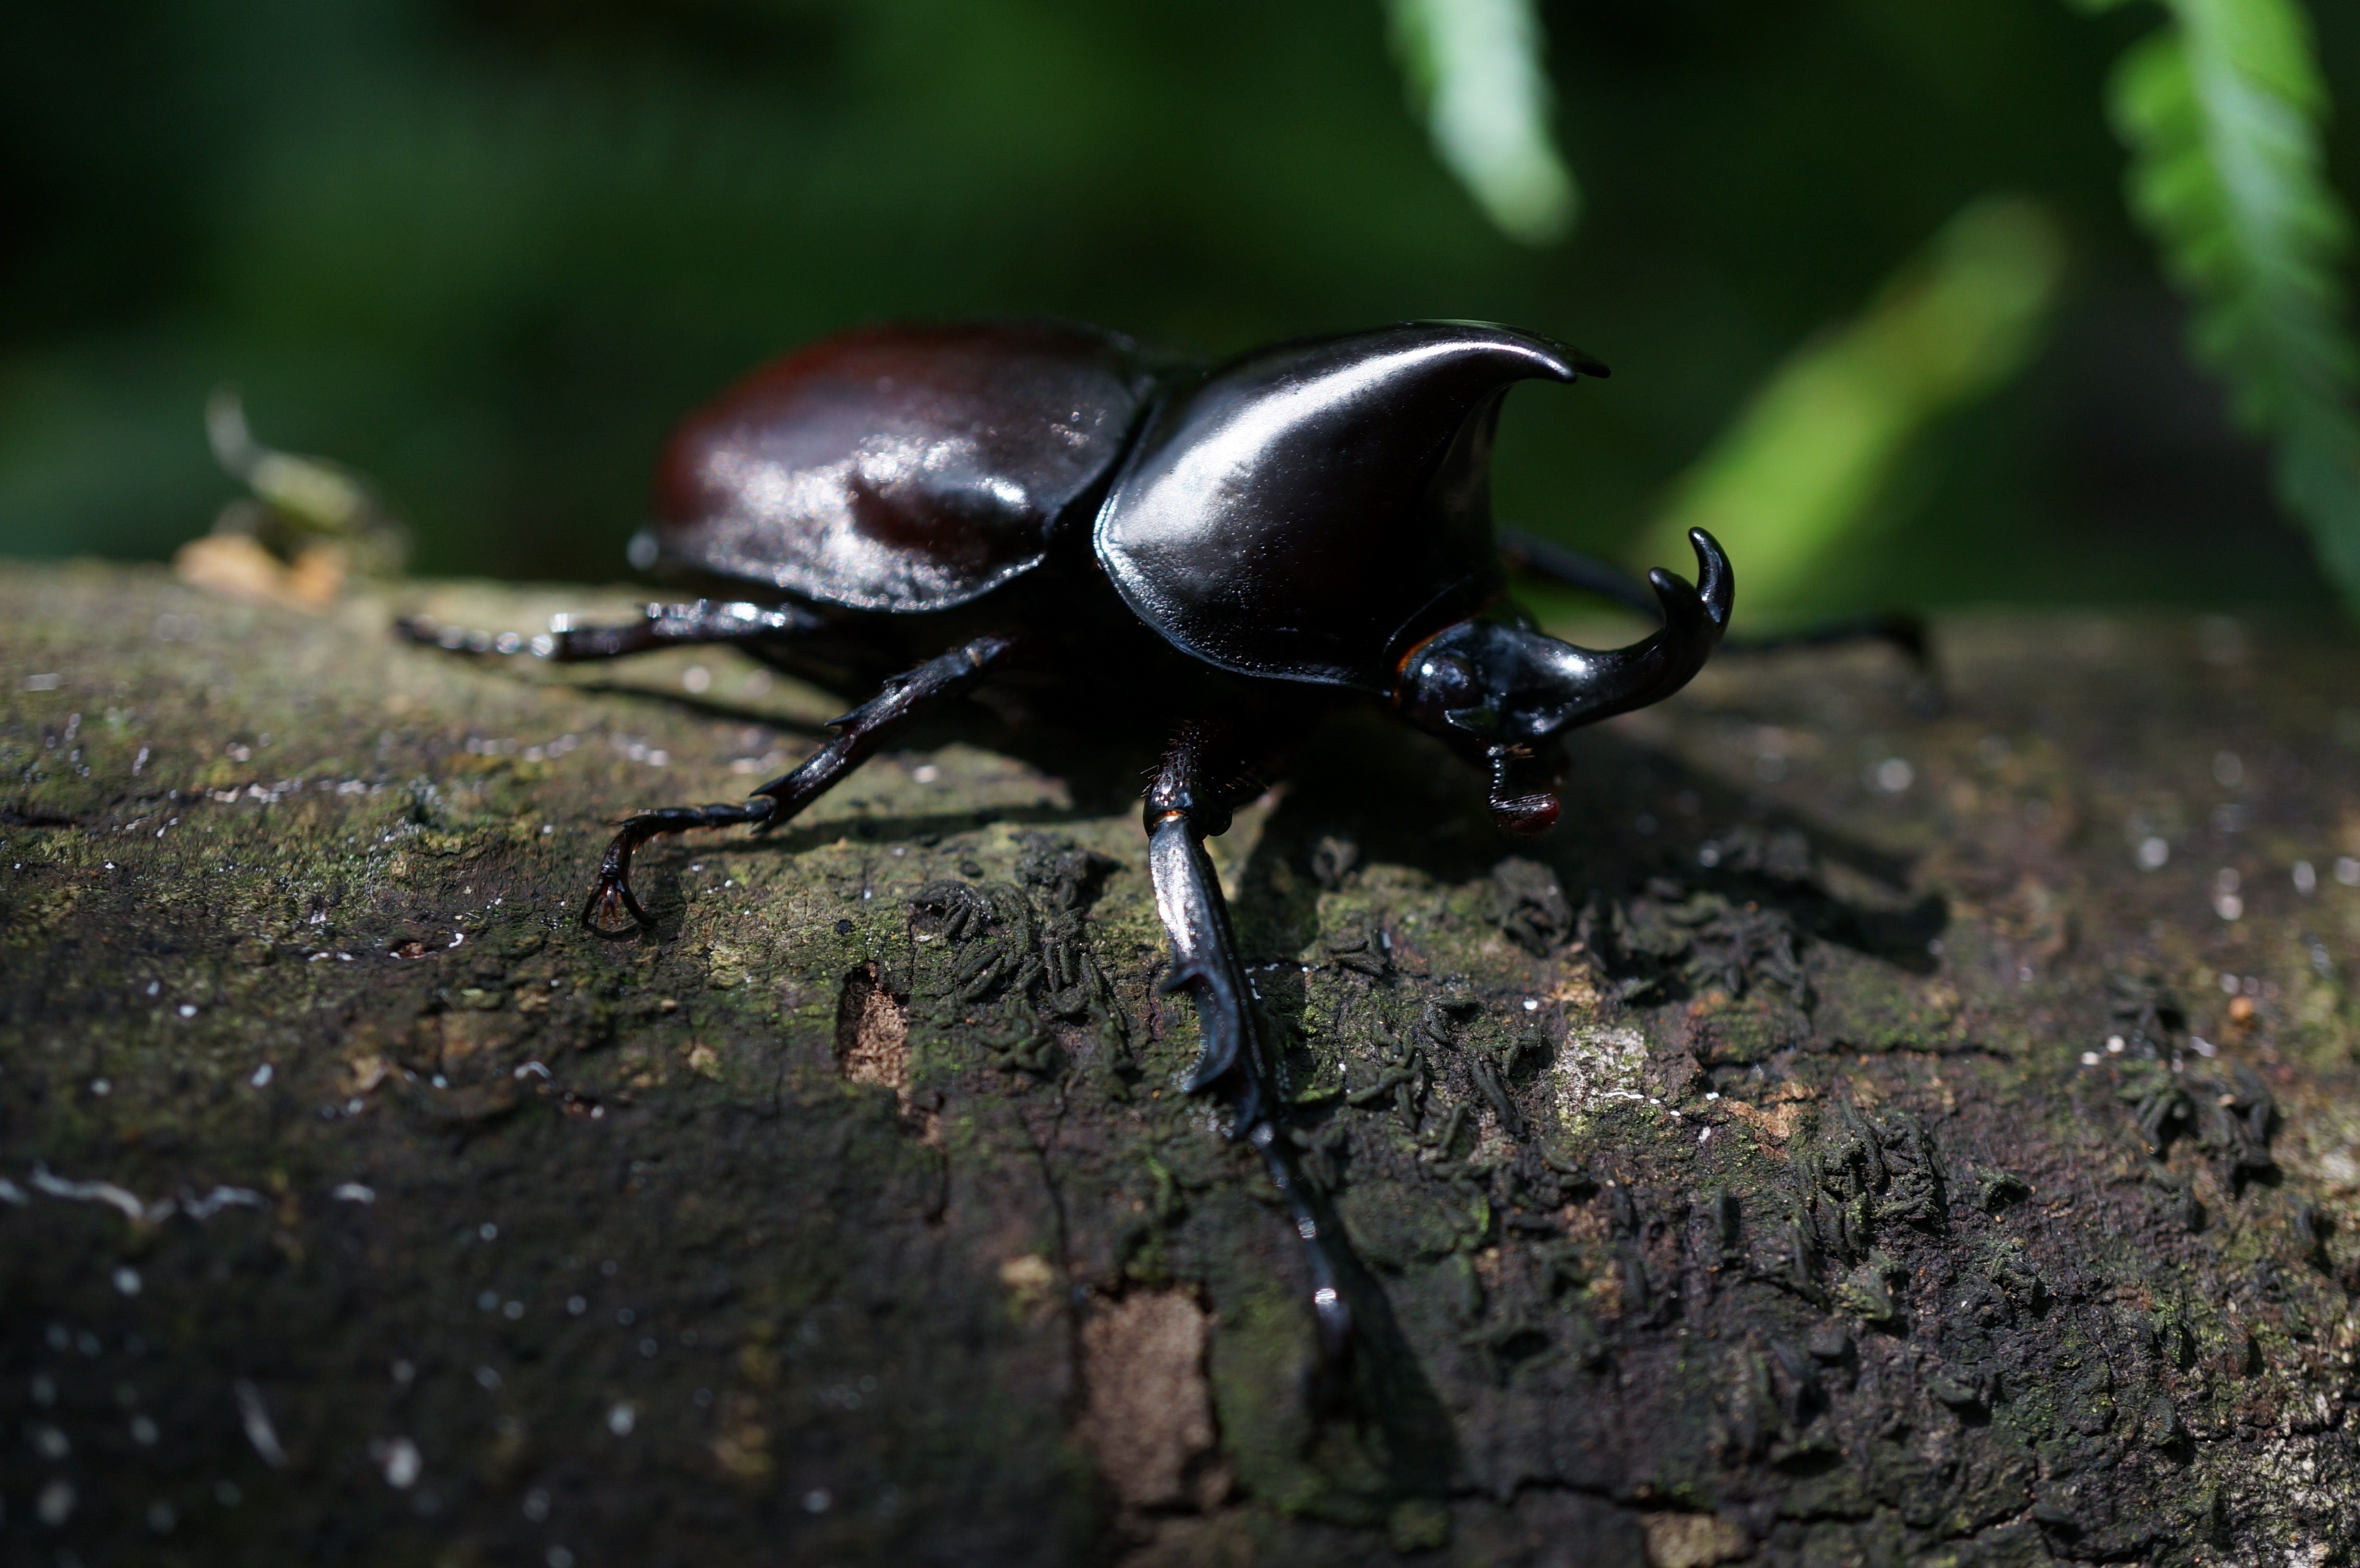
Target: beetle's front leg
(1189,801)
(858,736)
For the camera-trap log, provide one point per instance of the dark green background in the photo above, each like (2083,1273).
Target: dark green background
(486,252)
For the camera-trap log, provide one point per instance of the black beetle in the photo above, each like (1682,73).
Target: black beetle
(1219,552)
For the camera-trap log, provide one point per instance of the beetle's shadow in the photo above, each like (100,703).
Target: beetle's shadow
(1394,796)
(533,673)
(1635,820)
(710,709)
(656,873)
(1398,798)
(1363,788)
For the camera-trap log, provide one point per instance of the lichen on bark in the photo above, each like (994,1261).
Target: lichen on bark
(1848,1140)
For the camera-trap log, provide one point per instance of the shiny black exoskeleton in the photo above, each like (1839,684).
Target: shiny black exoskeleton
(1219,553)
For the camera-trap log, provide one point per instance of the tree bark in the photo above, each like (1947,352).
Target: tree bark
(1855,1137)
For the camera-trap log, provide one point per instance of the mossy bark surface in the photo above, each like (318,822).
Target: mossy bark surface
(1854,1137)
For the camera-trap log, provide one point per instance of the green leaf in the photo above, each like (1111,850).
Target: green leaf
(2220,108)
(1801,468)
(1476,75)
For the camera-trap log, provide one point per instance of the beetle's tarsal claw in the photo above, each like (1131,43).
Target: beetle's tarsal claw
(612,909)
(611,899)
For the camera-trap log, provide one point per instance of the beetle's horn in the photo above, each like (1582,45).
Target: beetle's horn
(1509,690)
(1591,686)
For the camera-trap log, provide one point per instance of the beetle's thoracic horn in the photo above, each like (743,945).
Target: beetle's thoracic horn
(1298,513)
(1509,690)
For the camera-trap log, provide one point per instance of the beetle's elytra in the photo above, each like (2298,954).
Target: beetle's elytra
(1216,552)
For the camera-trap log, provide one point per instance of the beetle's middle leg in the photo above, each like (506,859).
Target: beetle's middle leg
(1194,792)
(698,621)
(858,736)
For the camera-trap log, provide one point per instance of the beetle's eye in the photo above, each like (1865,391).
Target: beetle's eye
(1444,682)
(1438,685)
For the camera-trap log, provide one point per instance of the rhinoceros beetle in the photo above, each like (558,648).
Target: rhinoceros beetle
(912,511)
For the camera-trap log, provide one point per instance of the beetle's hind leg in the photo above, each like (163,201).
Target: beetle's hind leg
(1189,801)
(698,621)
(858,736)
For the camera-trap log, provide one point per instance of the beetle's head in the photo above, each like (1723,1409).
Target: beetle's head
(1498,690)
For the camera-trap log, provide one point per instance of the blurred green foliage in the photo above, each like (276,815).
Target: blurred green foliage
(485,251)
(1478,76)
(1803,465)
(2222,106)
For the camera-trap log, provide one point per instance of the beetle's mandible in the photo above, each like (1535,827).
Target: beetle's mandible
(1221,552)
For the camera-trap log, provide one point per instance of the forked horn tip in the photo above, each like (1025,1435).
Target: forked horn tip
(1716,582)
(1682,604)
